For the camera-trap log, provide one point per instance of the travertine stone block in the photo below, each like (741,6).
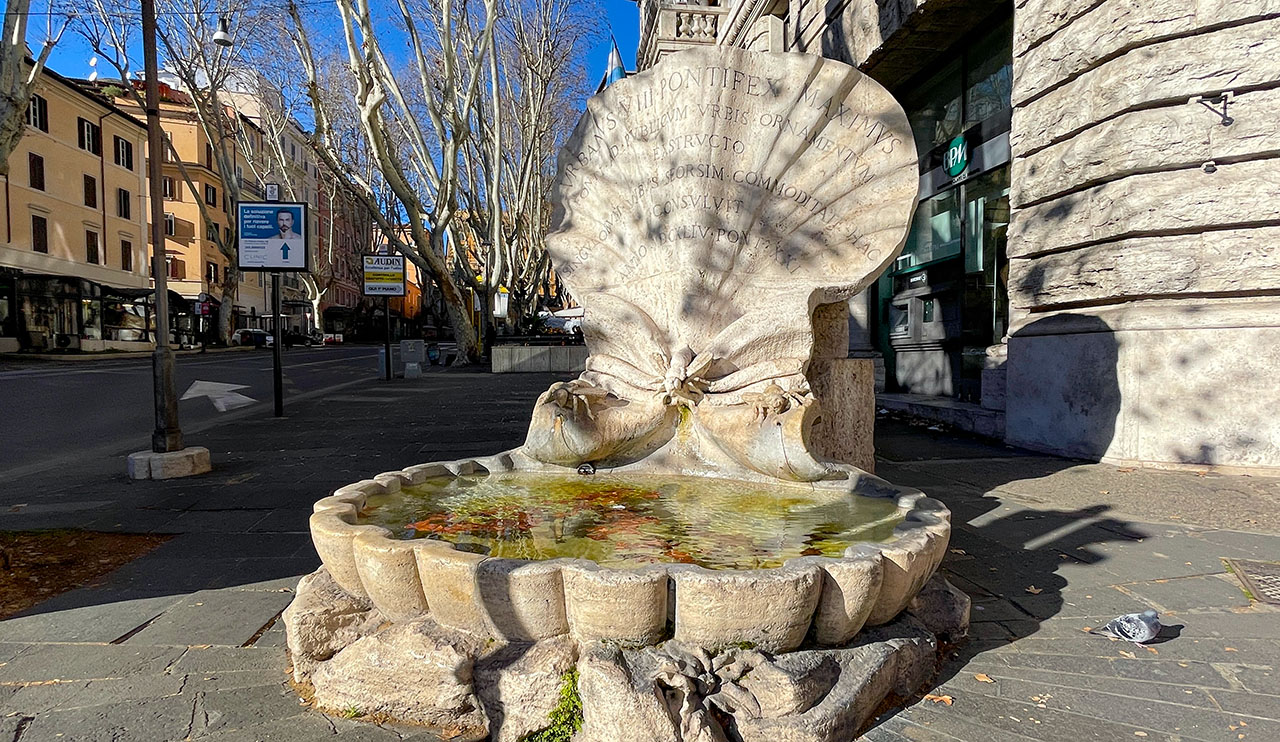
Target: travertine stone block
(627,607)
(449,584)
(1150,267)
(845,431)
(769,609)
(1119,25)
(1171,71)
(908,564)
(1240,194)
(524,601)
(332,536)
(389,574)
(323,619)
(1172,137)
(519,685)
(187,462)
(414,672)
(850,588)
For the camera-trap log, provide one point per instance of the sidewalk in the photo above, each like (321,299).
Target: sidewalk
(185,643)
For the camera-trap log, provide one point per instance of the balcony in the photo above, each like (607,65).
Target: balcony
(668,26)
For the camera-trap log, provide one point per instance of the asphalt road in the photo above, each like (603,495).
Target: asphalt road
(52,411)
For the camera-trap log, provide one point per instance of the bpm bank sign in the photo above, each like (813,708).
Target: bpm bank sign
(956,157)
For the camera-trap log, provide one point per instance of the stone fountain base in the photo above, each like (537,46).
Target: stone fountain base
(470,687)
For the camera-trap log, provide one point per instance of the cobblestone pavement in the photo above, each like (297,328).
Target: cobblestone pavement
(185,642)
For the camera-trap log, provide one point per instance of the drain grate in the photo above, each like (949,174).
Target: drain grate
(1261,578)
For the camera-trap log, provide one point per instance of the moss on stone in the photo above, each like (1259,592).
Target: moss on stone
(566,717)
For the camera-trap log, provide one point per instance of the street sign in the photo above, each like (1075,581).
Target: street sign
(273,236)
(384,275)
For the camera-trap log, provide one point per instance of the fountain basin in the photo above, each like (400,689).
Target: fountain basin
(825,598)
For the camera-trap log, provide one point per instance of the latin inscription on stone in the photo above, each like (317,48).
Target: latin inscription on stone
(736,174)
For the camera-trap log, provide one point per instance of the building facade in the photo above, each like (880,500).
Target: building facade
(1094,266)
(74,254)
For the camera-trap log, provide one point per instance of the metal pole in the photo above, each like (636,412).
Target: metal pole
(386,311)
(167,435)
(278,342)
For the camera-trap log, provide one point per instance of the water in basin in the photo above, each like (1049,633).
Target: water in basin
(633,520)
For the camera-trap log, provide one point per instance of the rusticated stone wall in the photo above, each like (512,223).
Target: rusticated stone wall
(1144,245)
(1145,238)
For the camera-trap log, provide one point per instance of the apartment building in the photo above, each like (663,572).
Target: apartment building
(74,256)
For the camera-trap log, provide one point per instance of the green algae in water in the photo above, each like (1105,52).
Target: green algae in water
(629,521)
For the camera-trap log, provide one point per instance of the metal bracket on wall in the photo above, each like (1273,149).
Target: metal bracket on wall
(1212,103)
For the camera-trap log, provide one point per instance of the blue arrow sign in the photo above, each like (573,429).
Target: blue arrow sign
(284,252)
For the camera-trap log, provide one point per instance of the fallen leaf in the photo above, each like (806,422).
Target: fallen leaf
(1139,734)
(1104,492)
(982,677)
(1034,590)
(1125,469)
(1151,650)
(961,552)
(1087,629)
(1130,655)
(1230,649)
(945,700)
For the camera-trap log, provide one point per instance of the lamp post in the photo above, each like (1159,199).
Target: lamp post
(168,435)
(168,457)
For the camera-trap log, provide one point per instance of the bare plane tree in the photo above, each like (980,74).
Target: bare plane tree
(17,76)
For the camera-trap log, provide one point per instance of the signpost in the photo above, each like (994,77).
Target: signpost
(274,237)
(384,276)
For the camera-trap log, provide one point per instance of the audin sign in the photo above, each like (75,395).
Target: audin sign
(384,275)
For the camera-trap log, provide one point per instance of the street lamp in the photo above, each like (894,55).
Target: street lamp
(222,37)
(168,456)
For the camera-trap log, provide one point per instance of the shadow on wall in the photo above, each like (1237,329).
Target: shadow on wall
(1064,371)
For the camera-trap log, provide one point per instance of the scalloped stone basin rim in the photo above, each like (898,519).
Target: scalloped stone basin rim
(828,599)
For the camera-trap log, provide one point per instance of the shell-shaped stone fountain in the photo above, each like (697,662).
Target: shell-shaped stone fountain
(704,209)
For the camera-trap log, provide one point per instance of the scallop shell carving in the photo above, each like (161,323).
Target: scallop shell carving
(723,182)
(703,209)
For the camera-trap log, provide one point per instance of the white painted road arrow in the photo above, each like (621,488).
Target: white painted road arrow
(224,396)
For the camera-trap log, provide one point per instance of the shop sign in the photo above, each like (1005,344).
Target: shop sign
(956,158)
(384,275)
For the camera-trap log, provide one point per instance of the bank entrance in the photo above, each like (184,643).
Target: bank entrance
(945,300)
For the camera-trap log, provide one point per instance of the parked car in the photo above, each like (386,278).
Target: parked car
(250,336)
(298,337)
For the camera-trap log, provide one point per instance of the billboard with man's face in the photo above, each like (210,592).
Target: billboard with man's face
(273,236)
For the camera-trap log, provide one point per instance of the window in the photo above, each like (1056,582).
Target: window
(91,246)
(90,136)
(38,113)
(208,155)
(211,195)
(124,153)
(35,171)
(167,189)
(168,148)
(211,273)
(39,233)
(211,232)
(90,191)
(124,204)
(126,255)
(170,224)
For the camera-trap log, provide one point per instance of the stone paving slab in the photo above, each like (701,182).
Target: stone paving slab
(222,617)
(1021,521)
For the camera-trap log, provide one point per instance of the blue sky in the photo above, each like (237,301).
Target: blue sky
(71,57)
